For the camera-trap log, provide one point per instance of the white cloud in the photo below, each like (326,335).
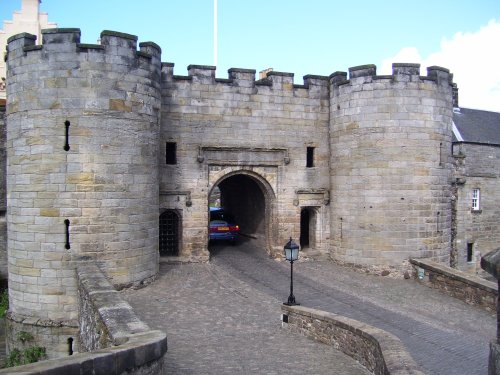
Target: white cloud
(474,60)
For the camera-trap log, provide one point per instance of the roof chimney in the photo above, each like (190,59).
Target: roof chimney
(263,73)
(455,95)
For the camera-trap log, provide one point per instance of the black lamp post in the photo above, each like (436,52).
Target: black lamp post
(291,254)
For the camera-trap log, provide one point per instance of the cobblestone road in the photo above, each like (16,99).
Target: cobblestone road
(223,317)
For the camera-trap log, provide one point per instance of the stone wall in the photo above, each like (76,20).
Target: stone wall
(112,339)
(105,319)
(58,338)
(477,231)
(238,127)
(390,165)
(3,196)
(82,149)
(466,287)
(380,352)
(377,191)
(102,139)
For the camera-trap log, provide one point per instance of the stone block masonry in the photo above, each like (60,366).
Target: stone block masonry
(103,139)
(468,288)
(378,138)
(379,351)
(477,231)
(389,179)
(239,125)
(102,102)
(112,339)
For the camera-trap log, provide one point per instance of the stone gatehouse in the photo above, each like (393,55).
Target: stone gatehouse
(113,157)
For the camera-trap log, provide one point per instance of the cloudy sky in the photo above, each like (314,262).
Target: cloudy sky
(306,36)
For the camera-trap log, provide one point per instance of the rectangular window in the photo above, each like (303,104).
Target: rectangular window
(310,157)
(476,194)
(470,248)
(171,153)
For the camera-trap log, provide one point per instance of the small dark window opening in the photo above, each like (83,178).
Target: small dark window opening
(66,142)
(438,222)
(470,252)
(70,346)
(310,157)
(67,246)
(171,153)
(441,154)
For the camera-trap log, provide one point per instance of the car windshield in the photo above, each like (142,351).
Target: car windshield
(221,215)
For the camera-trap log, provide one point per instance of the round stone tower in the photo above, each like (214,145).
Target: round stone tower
(390,167)
(82,156)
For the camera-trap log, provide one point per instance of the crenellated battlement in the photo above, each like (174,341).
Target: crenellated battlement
(67,40)
(121,49)
(244,78)
(401,72)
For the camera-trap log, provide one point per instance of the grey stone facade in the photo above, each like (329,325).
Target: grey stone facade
(3,196)
(105,145)
(389,163)
(477,230)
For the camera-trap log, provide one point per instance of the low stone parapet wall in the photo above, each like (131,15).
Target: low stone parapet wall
(378,351)
(112,339)
(468,288)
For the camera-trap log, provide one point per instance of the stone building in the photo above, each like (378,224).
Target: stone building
(476,187)
(112,157)
(30,20)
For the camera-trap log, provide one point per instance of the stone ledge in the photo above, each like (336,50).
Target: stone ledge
(139,352)
(455,274)
(111,312)
(380,352)
(468,288)
(132,347)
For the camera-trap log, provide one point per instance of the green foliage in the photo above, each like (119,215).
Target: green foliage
(14,358)
(24,337)
(34,354)
(27,355)
(4,302)
(30,354)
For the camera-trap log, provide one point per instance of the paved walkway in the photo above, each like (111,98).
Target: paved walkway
(223,317)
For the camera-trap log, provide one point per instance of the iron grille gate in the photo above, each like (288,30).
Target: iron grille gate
(169,233)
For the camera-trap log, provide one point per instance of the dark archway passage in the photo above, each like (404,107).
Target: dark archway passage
(242,196)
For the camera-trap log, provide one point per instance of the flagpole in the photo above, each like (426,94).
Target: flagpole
(215,33)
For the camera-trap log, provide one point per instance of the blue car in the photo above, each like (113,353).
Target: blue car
(222,225)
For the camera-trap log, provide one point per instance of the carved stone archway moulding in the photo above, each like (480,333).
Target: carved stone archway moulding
(260,163)
(266,177)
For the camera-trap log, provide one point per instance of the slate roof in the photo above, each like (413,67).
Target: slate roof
(479,126)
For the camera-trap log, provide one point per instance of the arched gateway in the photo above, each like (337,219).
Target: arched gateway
(250,198)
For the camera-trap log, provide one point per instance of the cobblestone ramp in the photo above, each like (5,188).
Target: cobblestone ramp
(218,324)
(444,336)
(223,317)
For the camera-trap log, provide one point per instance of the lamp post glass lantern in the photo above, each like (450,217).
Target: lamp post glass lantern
(291,254)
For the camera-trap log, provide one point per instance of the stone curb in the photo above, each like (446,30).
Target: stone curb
(138,352)
(379,351)
(458,284)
